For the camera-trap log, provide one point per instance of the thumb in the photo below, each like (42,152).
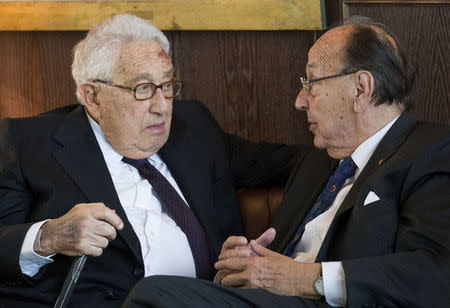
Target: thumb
(267,237)
(261,250)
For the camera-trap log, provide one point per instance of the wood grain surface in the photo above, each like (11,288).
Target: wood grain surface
(249,79)
(166,14)
(425,32)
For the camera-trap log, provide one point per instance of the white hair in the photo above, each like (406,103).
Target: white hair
(95,56)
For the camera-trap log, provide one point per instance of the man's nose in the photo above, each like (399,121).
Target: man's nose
(301,102)
(159,103)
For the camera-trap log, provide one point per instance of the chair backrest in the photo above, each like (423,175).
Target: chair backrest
(257,207)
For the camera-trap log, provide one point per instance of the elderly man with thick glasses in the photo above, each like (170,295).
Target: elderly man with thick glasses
(365,219)
(139,183)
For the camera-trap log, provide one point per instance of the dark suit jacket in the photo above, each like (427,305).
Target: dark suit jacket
(396,251)
(51,162)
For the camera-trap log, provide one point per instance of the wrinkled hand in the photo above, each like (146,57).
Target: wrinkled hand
(271,271)
(86,229)
(238,247)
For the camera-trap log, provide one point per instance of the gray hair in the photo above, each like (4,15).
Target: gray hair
(95,56)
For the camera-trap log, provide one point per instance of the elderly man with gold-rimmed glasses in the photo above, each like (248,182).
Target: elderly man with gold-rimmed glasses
(140,184)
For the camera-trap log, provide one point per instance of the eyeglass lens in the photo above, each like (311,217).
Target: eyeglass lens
(170,89)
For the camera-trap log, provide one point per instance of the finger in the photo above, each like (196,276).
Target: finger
(262,251)
(237,280)
(235,264)
(238,252)
(234,241)
(102,212)
(267,237)
(97,241)
(104,229)
(91,251)
(90,246)
(220,275)
(248,249)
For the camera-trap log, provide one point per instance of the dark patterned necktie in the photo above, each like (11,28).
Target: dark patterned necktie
(181,214)
(345,170)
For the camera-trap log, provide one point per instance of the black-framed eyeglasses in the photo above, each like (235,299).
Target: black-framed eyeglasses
(306,84)
(146,90)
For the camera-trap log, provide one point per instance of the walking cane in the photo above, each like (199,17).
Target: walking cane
(70,282)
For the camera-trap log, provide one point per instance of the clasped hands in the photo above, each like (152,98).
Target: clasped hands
(246,264)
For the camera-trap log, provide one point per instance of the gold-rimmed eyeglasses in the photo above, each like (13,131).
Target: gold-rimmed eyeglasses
(146,90)
(306,84)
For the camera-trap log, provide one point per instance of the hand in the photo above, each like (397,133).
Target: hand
(237,247)
(271,271)
(85,230)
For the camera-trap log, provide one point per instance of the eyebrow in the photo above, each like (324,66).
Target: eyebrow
(312,65)
(148,76)
(312,69)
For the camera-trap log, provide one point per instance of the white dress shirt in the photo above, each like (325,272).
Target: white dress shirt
(315,231)
(164,246)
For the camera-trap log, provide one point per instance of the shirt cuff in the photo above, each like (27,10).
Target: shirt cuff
(29,261)
(334,284)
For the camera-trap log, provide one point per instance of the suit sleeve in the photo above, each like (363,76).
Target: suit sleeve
(15,202)
(417,273)
(259,164)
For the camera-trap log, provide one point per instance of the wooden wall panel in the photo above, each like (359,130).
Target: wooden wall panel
(249,80)
(35,71)
(424,30)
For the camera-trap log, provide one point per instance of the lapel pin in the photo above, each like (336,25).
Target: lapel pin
(380,162)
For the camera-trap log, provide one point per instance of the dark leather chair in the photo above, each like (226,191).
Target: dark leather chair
(257,207)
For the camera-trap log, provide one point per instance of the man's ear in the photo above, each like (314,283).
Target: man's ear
(365,84)
(89,95)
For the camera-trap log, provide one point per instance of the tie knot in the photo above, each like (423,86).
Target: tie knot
(136,163)
(346,168)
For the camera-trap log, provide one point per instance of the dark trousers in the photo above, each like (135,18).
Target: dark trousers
(172,291)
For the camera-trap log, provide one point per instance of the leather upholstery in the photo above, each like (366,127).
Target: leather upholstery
(257,207)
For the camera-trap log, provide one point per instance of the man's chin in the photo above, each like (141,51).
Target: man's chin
(319,143)
(154,146)
(139,151)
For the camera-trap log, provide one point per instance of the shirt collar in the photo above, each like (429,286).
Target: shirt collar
(365,150)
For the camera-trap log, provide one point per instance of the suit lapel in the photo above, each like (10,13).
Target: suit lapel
(387,147)
(393,139)
(302,190)
(80,156)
